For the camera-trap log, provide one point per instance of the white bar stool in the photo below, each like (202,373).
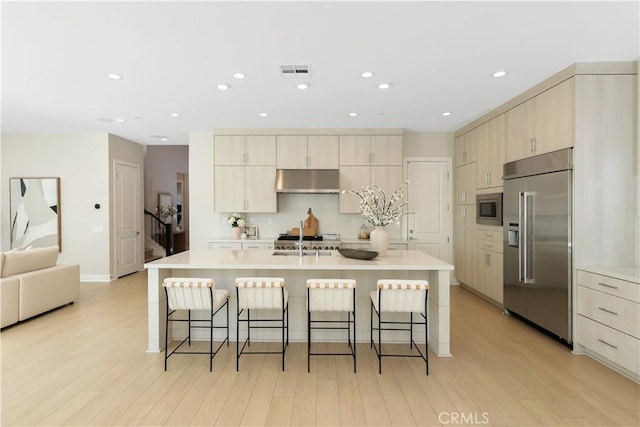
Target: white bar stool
(194,294)
(400,296)
(334,295)
(261,293)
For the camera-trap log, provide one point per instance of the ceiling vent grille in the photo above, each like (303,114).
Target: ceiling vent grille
(293,71)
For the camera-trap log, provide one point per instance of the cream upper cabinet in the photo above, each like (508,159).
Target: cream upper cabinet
(243,150)
(386,150)
(307,152)
(466,184)
(228,150)
(260,150)
(388,178)
(352,178)
(260,193)
(361,150)
(466,150)
(491,153)
(542,124)
(323,152)
(245,189)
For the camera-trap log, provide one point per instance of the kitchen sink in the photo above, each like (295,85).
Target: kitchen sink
(304,253)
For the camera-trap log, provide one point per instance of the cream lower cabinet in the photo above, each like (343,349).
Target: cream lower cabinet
(245,189)
(464,241)
(608,320)
(489,263)
(240,244)
(388,178)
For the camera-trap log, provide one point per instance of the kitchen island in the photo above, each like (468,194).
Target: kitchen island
(225,265)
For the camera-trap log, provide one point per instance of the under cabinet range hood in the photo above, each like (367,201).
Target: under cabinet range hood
(307,181)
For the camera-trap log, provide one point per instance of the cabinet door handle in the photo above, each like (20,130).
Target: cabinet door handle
(608,286)
(464,212)
(606,343)
(534,144)
(308,161)
(608,311)
(246,157)
(464,197)
(489,178)
(464,157)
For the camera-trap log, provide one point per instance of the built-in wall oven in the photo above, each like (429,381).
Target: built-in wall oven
(489,209)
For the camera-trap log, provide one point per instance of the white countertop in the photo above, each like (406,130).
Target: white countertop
(622,272)
(258,259)
(232,240)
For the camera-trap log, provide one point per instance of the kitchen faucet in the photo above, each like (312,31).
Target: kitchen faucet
(300,242)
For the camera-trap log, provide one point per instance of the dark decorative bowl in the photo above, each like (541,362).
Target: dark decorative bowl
(358,253)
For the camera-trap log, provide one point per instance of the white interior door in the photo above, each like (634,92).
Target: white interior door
(429,197)
(127,218)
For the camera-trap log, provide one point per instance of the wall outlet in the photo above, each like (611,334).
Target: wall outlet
(270,220)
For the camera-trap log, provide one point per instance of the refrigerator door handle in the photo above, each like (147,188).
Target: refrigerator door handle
(527,204)
(522,237)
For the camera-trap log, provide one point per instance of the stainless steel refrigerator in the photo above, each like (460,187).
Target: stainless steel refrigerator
(537,240)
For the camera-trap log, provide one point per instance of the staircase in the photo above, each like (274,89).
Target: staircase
(158,237)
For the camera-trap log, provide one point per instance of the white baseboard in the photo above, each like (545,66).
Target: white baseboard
(95,278)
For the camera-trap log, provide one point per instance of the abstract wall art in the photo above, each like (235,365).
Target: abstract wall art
(35,212)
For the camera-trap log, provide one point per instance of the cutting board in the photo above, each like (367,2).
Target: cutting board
(306,231)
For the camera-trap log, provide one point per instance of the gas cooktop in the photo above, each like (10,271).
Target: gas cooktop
(289,237)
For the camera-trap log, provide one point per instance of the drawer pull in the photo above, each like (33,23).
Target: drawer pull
(606,343)
(608,311)
(607,286)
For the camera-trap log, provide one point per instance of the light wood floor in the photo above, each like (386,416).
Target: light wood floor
(86,364)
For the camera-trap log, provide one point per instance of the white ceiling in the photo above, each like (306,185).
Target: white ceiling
(439,57)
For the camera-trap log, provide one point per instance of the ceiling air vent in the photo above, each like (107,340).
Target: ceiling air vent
(292,71)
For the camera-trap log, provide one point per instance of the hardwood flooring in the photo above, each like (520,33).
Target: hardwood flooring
(86,365)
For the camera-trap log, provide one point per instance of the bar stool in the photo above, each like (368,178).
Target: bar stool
(332,295)
(261,293)
(400,296)
(194,294)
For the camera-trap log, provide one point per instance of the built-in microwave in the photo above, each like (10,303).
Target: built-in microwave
(489,209)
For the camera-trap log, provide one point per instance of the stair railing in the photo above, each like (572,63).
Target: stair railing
(159,231)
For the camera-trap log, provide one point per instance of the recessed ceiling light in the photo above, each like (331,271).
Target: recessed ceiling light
(120,120)
(239,76)
(353,114)
(223,86)
(263,114)
(114,76)
(303,86)
(446,113)
(367,74)
(164,139)
(500,73)
(384,85)
(175,114)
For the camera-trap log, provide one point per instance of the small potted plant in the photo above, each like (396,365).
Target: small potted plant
(237,222)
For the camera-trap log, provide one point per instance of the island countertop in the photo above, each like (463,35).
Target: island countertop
(224,265)
(263,259)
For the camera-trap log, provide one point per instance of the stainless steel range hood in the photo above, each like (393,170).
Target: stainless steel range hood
(307,181)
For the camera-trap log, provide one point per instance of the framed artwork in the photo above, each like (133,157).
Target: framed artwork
(34,212)
(251,231)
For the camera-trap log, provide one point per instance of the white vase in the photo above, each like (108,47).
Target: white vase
(236,232)
(379,238)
